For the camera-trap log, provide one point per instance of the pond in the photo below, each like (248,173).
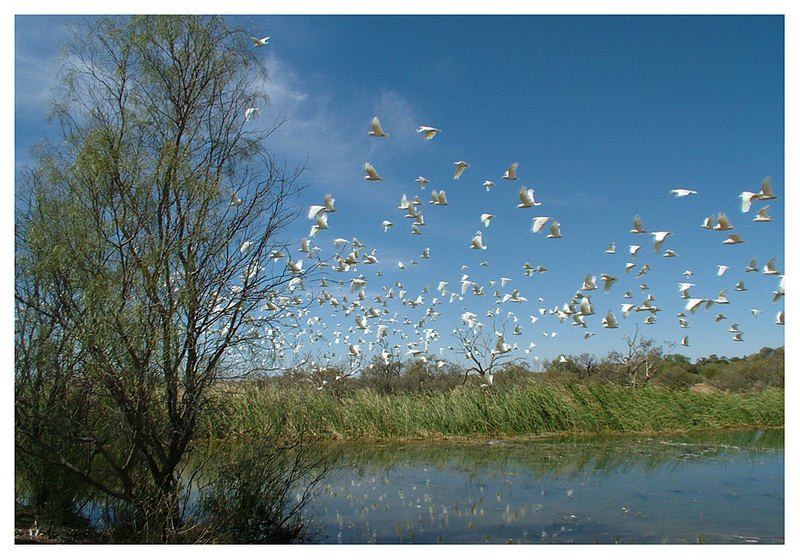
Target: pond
(712,488)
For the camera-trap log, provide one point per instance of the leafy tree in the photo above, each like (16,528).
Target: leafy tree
(143,244)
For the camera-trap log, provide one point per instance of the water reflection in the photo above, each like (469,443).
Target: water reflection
(720,488)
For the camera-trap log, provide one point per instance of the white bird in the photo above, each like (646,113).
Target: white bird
(260,42)
(721,268)
(609,321)
(740,286)
(528,269)
(634,249)
(682,192)
(752,266)
(372,174)
(755,312)
(766,190)
(526,196)
(251,113)
(235,200)
(612,249)
(694,303)
(296,267)
(670,253)
(404,203)
(747,199)
(555,231)
(438,198)
(723,223)
(314,210)
(626,309)
(722,298)
(685,341)
(488,184)
(322,220)
(781,291)
(733,239)
(779,318)
(538,223)
(377,131)
(683,287)
(637,225)
(608,281)
(460,167)
(708,223)
(329,200)
(245,246)
(769,268)
(658,239)
(589,283)
(422,181)
(429,131)
(386,225)
(511,172)
(486,219)
(762,215)
(737,337)
(477,241)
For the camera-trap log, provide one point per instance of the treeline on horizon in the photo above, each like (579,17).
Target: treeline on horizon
(762,370)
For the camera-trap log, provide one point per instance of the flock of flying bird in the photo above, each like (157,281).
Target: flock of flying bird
(365,328)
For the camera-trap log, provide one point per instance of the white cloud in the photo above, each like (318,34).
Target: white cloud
(331,131)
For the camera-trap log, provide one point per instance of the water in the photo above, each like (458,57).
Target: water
(725,488)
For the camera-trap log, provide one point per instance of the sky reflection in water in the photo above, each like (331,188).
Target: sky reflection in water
(712,488)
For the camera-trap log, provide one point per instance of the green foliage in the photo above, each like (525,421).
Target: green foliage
(578,394)
(131,292)
(531,408)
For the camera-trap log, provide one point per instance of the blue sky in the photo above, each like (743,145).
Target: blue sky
(605,115)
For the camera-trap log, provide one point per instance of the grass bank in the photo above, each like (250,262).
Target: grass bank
(531,409)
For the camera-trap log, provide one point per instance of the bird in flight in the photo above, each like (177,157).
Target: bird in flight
(429,131)
(377,131)
(658,239)
(538,223)
(372,174)
(526,196)
(251,113)
(460,167)
(511,172)
(260,42)
(637,225)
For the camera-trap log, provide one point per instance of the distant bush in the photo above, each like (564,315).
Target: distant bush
(431,375)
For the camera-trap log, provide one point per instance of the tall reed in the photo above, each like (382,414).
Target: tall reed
(535,408)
